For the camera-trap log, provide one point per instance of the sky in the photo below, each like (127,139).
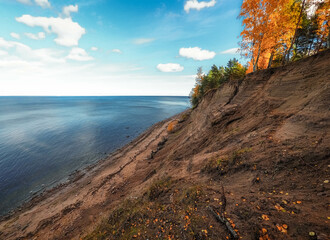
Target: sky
(113,47)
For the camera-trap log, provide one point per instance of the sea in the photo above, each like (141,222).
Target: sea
(43,140)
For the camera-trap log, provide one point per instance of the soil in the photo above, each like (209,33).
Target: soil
(256,151)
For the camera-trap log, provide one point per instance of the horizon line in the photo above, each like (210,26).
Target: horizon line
(94,95)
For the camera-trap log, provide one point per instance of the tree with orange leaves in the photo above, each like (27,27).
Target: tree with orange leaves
(268,26)
(272,27)
(298,24)
(323,17)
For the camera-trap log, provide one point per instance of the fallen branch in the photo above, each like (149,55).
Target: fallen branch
(221,218)
(223,200)
(224,220)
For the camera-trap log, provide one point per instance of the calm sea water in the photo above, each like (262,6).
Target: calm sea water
(44,139)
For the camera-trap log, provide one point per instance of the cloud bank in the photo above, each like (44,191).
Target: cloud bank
(43,3)
(67,10)
(68,32)
(116,51)
(24,1)
(15,35)
(170,67)
(140,41)
(38,36)
(196,53)
(194,4)
(79,54)
(22,53)
(3,53)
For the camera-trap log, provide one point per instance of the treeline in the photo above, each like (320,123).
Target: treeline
(215,77)
(278,31)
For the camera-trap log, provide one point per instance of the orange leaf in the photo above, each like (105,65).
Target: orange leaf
(265,217)
(279,227)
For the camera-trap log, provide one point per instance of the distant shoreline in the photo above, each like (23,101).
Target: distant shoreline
(92,96)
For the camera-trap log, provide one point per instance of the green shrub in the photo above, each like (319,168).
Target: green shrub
(215,78)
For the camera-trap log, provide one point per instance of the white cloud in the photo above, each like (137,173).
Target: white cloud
(21,51)
(231,51)
(43,3)
(24,1)
(67,10)
(5,44)
(3,53)
(15,35)
(94,48)
(79,54)
(170,67)
(196,53)
(140,41)
(49,55)
(194,4)
(38,36)
(68,32)
(18,63)
(116,51)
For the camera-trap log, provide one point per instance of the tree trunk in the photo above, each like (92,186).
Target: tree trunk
(306,52)
(270,60)
(255,67)
(328,39)
(320,45)
(287,54)
(310,47)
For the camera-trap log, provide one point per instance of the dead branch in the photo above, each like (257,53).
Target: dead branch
(221,218)
(223,199)
(224,220)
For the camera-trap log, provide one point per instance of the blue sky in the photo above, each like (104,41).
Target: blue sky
(113,47)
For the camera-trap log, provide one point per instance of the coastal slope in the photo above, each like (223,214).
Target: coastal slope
(251,161)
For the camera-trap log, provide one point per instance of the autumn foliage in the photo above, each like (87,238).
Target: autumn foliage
(278,31)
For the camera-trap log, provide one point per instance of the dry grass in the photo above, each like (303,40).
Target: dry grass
(167,210)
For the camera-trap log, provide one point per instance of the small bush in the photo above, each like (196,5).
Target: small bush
(191,196)
(184,117)
(158,188)
(172,125)
(215,165)
(223,164)
(236,154)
